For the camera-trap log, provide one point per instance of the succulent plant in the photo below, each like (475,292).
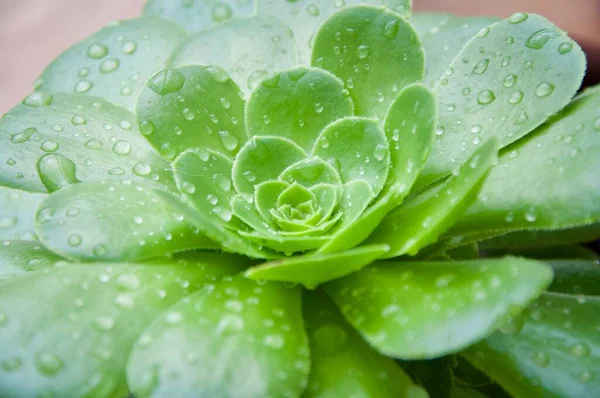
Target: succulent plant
(303,198)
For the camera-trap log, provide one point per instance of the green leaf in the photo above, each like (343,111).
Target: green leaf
(297,104)
(420,221)
(358,149)
(67,331)
(436,375)
(249,49)
(573,276)
(313,269)
(115,62)
(192,107)
(553,351)
(305,17)
(17,213)
(355,199)
(443,36)
(309,172)
(381,54)
(504,83)
(409,127)
(558,181)
(52,140)
(285,244)
(195,15)
(469,251)
(266,196)
(263,159)
(114,222)
(342,364)
(248,213)
(395,304)
(234,338)
(19,257)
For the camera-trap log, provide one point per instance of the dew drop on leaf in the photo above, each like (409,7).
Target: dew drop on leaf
(544,89)
(97,51)
(37,100)
(538,40)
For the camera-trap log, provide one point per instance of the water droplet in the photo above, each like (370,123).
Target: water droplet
(230,324)
(37,100)
(138,220)
(541,359)
(49,146)
(522,118)
(390,29)
(173,318)
(125,91)
(518,18)
(481,66)
(218,74)
(565,48)
(483,32)
(539,39)
(580,350)
(221,12)
(97,51)
(509,81)
(380,152)
(48,364)
(476,129)
(56,171)
(78,120)
(142,169)
(222,213)
(116,171)
(188,114)
(509,40)
(249,176)
(109,65)
(166,82)
(93,144)
(128,282)
(83,86)
(485,97)
(596,124)
(129,47)
(122,147)
(74,240)
(188,187)
(313,10)
(505,62)
(104,323)
(23,136)
(274,341)
(319,107)
(11,365)
(99,250)
(516,97)
(362,51)
(544,89)
(256,77)
(530,216)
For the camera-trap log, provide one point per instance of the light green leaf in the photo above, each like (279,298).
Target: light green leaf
(114,222)
(285,244)
(67,331)
(573,276)
(558,180)
(552,351)
(443,36)
(342,364)
(266,196)
(507,80)
(357,148)
(422,220)
(97,139)
(309,172)
(195,15)
(19,257)
(395,304)
(192,107)
(297,104)
(313,269)
(249,215)
(327,198)
(249,49)
(409,127)
(115,62)
(381,54)
(234,338)
(355,199)
(263,159)
(305,17)
(17,213)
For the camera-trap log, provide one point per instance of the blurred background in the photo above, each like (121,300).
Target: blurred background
(34,32)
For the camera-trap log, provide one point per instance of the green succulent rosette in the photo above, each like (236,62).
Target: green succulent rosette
(291,198)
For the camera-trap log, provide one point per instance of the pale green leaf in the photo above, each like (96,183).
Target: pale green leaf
(285,244)
(17,213)
(309,172)
(574,276)
(19,257)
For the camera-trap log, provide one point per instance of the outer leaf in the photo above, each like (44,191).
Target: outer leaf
(235,338)
(195,15)
(425,217)
(504,83)
(435,375)
(192,107)
(358,149)
(443,36)
(313,269)
(263,159)
(114,222)
(297,104)
(343,364)
(249,49)
(19,257)
(17,213)
(97,139)
(305,17)
(68,331)
(573,276)
(285,244)
(115,62)
(395,304)
(553,352)
(381,54)
(560,186)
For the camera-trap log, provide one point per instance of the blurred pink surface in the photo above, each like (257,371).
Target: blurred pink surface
(34,32)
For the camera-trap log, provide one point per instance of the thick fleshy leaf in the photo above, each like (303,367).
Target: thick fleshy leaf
(573,276)
(19,257)
(17,213)
(52,140)
(305,17)
(285,244)
(342,364)
(422,220)
(249,49)
(115,62)
(508,80)
(313,269)
(552,351)
(114,222)
(309,172)
(263,159)
(429,309)
(234,338)
(297,104)
(357,149)
(266,198)
(443,36)
(381,54)
(355,199)
(68,331)
(192,107)
(248,213)
(547,180)
(196,15)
